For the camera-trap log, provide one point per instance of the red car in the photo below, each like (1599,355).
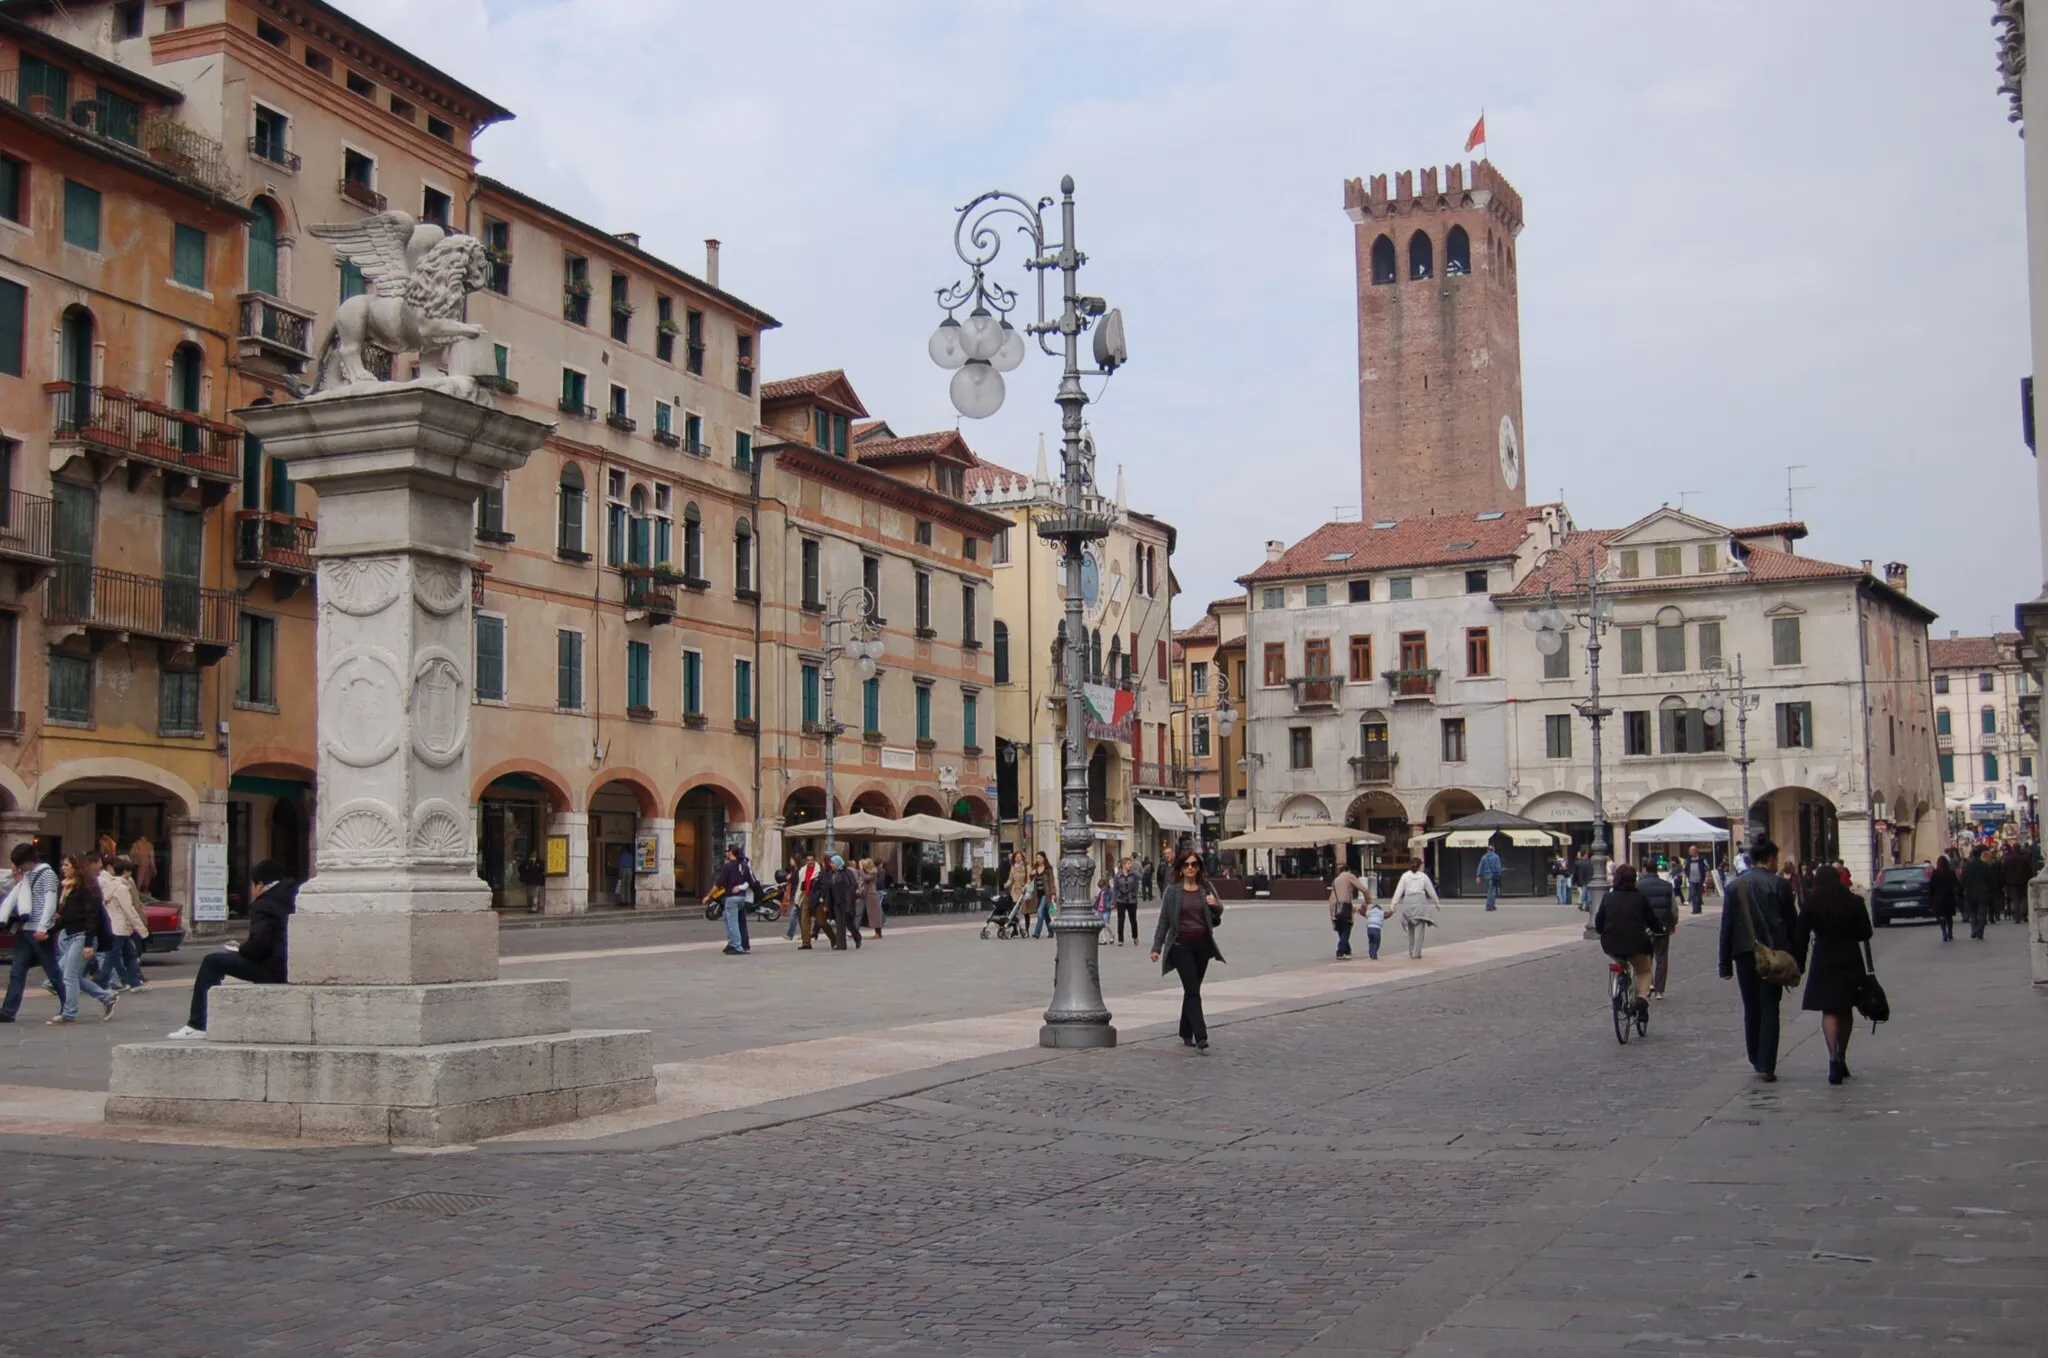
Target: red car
(166,930)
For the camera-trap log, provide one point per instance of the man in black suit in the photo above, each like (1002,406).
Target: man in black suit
(1758,894)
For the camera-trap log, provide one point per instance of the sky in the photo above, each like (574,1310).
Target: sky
(1758,235)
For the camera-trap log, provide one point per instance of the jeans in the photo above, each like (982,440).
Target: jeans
(1191,966)
(1978,913)
(1126,910)
(1044,920)
(212,968)
(1660,951)
(794,904)
(71,960)
(1564,891)
(1344,934)
(1759,1014)
(29,951)
(1493,893)
(1698,889)
(735,917)
(123,960)
(1372,942)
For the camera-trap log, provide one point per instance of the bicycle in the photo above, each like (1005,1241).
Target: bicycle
(1621,996)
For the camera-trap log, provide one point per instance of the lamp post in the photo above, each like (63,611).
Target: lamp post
(978,351)
(1550,623)
(1714,709)
(847,633)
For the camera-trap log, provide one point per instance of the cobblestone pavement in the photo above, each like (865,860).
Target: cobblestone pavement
(1466,1166)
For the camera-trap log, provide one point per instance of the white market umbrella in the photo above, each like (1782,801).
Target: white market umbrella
(1680,827)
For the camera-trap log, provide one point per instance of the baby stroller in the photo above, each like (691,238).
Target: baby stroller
(1005,920)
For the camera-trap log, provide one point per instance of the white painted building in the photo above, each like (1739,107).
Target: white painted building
(1987,760)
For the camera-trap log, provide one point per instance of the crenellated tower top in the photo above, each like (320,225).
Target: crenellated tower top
(1476,184)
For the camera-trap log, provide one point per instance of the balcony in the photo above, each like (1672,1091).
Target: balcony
(110,123)
(621,421)
(1316,690)
(276,545)
(112,429)
(25,535)
(362,195)
(1944,742)
(275,331)
(1373,770)
(1156,775)
(477,575)
(648,592)
(668,439)
(499,383)
(109,605)
(270,150)
(570,406)
(1411,683)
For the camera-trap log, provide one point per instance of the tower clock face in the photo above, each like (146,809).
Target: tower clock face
(1091,581)
(1510,453)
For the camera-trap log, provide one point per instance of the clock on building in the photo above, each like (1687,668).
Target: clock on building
(1091,580)
(1510,453)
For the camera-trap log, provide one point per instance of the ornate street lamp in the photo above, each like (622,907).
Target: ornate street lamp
(1714,707)
(1550,623)
(850,631)
(978,350)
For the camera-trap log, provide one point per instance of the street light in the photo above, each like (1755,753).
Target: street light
(1550,623)
(850,631)
(1713,710)
(978,351)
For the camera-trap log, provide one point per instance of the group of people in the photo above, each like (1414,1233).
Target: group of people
(81,924)
(831,899)
(1413,906)
(1987,887)
(1692,872)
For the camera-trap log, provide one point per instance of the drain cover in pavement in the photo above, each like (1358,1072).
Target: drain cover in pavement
(434,1204)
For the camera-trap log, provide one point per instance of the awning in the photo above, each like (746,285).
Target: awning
(1432,837)
(1109,833)
(1166,815)
(1468,839)
(1236,815)
(1535,839)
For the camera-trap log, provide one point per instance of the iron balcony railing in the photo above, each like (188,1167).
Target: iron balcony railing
(24,526)
(118,422)
(1316,690)
(272,151)
(478,573)
(1368,770)
(123,125)
(1151,774)
(1412,683)
(647,587)
(279,541)
(272,324)
(121,601)
(362,194)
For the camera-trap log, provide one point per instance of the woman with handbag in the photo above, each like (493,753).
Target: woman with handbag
(1943,890)
(1186,936)
(1839,924)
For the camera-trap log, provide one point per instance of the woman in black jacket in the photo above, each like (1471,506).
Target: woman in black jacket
(81,929)
(1943,888)
(1186,935)
(1628,930)
(1839,924)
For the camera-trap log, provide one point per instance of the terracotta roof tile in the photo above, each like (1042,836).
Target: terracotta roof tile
(1787,528)
(988,476)
(1204,629)
(946,443)
(816,386)
(1973,653)
(1766,565)
(1351,548)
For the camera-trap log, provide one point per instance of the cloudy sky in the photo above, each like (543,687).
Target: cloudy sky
(1757,234)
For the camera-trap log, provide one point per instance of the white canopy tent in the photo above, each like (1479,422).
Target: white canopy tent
(1680,827)
(864,825)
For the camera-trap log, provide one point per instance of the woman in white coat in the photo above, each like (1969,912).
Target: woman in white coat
(1414,904)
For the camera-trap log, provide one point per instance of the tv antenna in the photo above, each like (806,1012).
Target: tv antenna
(1681,498)
(1790,513)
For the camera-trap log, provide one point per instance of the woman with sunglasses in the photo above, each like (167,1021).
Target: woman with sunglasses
(1186,935)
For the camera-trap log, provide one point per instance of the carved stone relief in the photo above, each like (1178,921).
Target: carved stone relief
(440,708)
(364,830)
(362,585)
(441,831)
(439,586)
(362,707)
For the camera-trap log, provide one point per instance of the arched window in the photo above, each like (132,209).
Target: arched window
(639,550)
(263,247)
(1138,566)
(78,339)
(569,513)
(1421,257)
(693,543)
(1116,659)
(1457,252)
(1095,655)
(1383,260)
(743,556)
(187,369)
(1002,649)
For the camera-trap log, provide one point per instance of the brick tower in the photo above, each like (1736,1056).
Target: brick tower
(1439,343)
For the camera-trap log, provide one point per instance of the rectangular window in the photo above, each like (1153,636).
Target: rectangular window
(813,589)
(743,450)
(617,407)
(1000,548)
(256,674)
(70,687)
(1631,650)
(1710,645)
(1795,726)
(2026,769)
(1200,738)
(13,188)
(871,705)
(1301,748)
(490,658)
(924,603)
(1478,652)
(924,532)
(693,684)
(1162,668)
(1361,660)
(871,581)
(360,85)
(1685,731)
(1558,664)
(1401,587)
(1710,557)
(742,690)
(970,632)
(1941,683)
(569,670)
(1941,722)
(188,256)
(664,418)
(1276,664)
(810,695)
(1415,654)
(1475,582)
(128,20)
(81,215)
(1557,736)
(575,392)
(1987,720)
(744,374)
(436,206)
(1360,591)
(1948,768)
(1631,562)
(1454,740)
(575,289)
(1315,656)
(177,703)
(924,711)
(1990,767)
(1671,649)
(970,720)
(13,326)
(353,283)
(639,676)
(1670,561)
(970,547)
(498,249)
(569,519)
(621,308)
(1315,596)
(1984,683)
(1635,733)
(1785,641)
(1198,678)
(1272,598)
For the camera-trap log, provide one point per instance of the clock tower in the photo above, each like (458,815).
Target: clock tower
(1439,343)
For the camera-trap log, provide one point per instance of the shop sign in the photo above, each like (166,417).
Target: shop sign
(209,882)
(558,855)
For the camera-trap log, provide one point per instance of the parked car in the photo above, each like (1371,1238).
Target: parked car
(166,930)
(1902,892)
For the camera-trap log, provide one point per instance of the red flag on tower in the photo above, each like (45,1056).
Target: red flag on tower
(1478,137)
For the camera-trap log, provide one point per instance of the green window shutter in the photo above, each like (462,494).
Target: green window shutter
(924,712)
(693,683)
(490,658)
(262,266)
(638,658)
(54,82)
(743,690)
(119,117)
(810,676)
(70,696)
(13,326)
(970,719)
(81,215)
(743,451)
(871,705)
(569,670)
(353,284)
(177,703)
(12,176)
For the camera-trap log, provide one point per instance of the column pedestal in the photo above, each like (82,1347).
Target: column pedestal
(394,1026)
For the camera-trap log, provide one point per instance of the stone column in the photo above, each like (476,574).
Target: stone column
(394,1027)
(569,894)
(657,890)
(184,834)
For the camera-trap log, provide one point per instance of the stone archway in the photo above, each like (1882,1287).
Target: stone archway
(152,814)
(1381,813)
(1805,826)
(705,815)
(631,842)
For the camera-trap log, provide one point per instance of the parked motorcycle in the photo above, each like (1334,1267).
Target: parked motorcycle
(767,906)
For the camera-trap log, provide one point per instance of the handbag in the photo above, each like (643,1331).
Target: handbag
(1773,966)
(1871,1001)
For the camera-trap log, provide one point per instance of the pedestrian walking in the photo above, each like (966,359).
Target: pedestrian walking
(1489,876)
(735,886)
(1628,931)
(1045,883)
(1695,880)
(843,896)
(1149,876)
(1375,922)
(628,876)
(804,913)
(2017,870)
(871,894)
(1662,899)
(1415,902)
(1582,873)
(81,930)
(1980,891)
(1018,887)
(1186,937)
(1124,889)
(1943,890)
(264,957)
(1561,878)
(1347,891)
(1761,914)
(120,965)
(1838,922)
(31,912)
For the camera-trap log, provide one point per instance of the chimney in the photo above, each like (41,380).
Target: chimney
(1895,575)
(1866,565)
(631,238)
(711,262)
(1275,549)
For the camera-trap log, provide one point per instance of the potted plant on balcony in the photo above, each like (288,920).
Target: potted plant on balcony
(665,573)
(667,326)
(576,287)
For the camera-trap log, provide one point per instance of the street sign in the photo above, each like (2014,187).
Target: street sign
(209,883)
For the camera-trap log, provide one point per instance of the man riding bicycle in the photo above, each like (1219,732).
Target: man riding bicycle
(1628,931)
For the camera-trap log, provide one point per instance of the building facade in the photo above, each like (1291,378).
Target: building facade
(1986,757)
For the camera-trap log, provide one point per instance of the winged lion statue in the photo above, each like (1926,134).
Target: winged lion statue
(422,274)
